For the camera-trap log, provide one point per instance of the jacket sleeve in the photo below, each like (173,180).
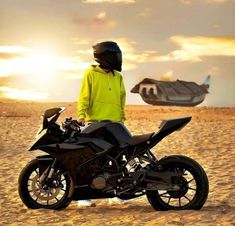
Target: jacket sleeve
(84,97)
(123,99)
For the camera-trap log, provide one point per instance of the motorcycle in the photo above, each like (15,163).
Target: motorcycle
(104,160)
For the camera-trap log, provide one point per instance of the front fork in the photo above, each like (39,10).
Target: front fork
(48,172)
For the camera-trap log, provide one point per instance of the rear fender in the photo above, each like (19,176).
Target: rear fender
(168,160)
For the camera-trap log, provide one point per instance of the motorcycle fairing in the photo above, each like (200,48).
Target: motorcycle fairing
(61,148)
(74,156)
(175,124)
(101,144)
(43,138)
(113,132)
(72,160)
(167,127)
(97,145)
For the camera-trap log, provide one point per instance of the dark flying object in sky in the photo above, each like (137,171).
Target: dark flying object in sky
(178,93)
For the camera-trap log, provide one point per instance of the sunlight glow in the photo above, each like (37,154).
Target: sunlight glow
(13,93)
(41,65)
(39,69)
(13,49)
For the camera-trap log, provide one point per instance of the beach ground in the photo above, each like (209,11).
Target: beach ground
(209,139)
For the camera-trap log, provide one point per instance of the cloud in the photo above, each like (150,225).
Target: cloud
(73,68)
(10,52)
(187,2)
(219,1)
(194,48)
(101,15)
(216,26)
(128,47)
(8,80)
(190,49)
(72,64)
(168,76)
(79,41)
(131,55)
(8,56)
(40,65)
(99,22)
(22,94)
(43,68)
(13,49)
(74,75)
(146,12)
(110,1)
(214,71)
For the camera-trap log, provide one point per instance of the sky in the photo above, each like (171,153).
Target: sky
(46,46)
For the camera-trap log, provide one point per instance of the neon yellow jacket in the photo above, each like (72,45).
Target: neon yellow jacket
(102,96)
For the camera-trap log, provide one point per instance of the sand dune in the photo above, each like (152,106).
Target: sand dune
(208,138)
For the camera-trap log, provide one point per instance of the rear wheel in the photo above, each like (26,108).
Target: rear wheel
(51,195)
(193,185)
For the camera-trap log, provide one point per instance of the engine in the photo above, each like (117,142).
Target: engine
(100,182)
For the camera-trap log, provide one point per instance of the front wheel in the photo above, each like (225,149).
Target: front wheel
(53,195)
(193,185)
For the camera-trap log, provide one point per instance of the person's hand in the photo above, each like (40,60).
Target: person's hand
(81,121)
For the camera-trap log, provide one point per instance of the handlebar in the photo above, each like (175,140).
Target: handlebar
(71,126)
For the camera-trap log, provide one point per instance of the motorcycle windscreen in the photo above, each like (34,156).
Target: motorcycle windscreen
(52,112)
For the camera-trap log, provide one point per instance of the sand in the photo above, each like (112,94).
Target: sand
(209,139)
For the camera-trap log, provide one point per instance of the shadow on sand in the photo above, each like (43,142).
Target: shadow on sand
(121,209)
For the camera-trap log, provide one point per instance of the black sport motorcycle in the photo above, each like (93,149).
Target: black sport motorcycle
(103,161)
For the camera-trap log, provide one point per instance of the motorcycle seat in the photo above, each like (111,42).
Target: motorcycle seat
(134,140)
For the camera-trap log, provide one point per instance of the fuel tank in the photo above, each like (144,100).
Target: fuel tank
(113,132)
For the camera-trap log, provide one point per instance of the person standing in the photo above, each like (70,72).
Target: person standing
(102,95)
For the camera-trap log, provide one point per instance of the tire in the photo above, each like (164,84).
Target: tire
(35,197)
(167,200)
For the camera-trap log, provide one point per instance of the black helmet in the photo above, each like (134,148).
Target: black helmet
(108,55)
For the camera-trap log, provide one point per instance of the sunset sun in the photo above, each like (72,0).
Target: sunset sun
(37,68)
(42,65)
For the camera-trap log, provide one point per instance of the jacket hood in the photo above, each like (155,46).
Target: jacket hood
(97,68)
